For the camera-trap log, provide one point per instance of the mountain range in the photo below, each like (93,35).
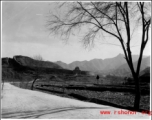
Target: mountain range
(116,65)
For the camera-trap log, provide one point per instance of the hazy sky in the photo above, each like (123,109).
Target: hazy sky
(24,33)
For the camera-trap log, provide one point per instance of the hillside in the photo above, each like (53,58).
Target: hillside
(124,69)
(23,67)
(29,62)
(145,72)
(145,75)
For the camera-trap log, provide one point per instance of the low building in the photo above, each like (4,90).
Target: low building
(77,71)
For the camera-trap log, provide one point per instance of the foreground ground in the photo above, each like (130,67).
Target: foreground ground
(121,96)
(23,103)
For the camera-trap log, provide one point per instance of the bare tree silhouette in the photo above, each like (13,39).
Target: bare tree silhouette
(114,18)
(37,64)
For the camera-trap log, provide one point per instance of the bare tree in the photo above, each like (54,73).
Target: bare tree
(113,18)
(38,64)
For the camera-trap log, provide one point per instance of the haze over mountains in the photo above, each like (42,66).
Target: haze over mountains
(116,65)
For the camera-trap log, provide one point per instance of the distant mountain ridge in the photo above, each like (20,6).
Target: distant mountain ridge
(115,65)
(97,64)
(124,69)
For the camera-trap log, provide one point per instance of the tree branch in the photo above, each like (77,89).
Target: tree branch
(98,21)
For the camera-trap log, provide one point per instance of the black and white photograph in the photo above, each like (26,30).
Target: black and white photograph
(76,60)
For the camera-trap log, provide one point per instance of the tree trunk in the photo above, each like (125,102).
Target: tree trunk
(137,93)
(33,83)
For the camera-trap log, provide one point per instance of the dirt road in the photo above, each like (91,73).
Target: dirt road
(22,103)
